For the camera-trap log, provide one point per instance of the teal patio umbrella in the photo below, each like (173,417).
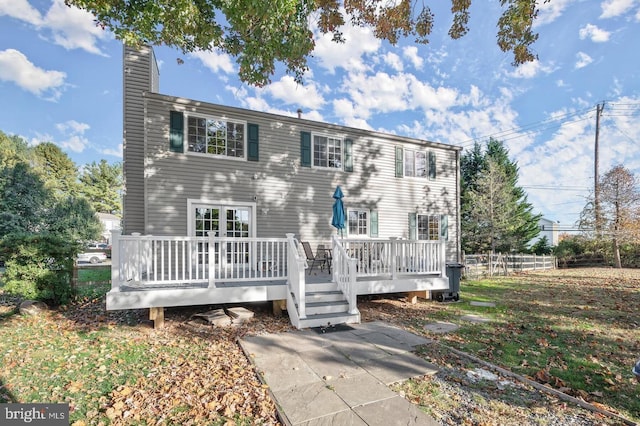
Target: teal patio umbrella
(339,217)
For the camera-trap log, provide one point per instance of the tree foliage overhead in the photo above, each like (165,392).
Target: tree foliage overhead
(59,171)
(496,215)
(260,34)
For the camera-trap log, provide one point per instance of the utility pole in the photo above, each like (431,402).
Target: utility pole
(596,177)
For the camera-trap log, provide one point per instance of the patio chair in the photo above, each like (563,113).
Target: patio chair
(320,256)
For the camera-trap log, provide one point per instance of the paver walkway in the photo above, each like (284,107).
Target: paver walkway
(341,377)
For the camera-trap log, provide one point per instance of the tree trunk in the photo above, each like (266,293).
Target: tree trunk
(616,253)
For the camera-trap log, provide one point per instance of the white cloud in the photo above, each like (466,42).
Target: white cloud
(613,8)
(20,9)
(380,92)
(69,27)
(292,93)
(215,60)
(72,126)
(112,152)
(530,70)
(583,60)
(393,61)
(411,53)
(74,28)
(425,96)
(348,55)
(16,68)
(75,143)
(549,11)
(597,35)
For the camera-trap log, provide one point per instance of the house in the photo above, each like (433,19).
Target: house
(549,229)
(211,189)
(110,222)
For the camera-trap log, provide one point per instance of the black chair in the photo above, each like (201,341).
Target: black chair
(320,257)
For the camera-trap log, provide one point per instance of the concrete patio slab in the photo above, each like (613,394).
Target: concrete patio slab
(393,412)
(484,304)
(330,364)
(361,389)
(387,343)
(475,318)
(310,401)
(285,371)
(399,367)
(342,418)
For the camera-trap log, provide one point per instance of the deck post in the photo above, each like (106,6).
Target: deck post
(157,316)
(278,307)
(212,260)
(115,259)
(137,256)
(394,257)
(443,260)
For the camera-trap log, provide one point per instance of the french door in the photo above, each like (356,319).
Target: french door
(223,221)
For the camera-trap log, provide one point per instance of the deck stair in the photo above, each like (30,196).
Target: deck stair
(325,305)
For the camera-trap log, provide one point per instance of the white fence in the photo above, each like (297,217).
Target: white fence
(483,265)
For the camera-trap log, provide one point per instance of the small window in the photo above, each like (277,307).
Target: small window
(428,227)
(327,152)
(216,137)
(415,163)
(359,222)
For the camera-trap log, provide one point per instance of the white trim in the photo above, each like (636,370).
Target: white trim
(222,204)
(368,234)
(327,135)
(185,130)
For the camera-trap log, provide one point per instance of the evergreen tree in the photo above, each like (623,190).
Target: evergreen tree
(486,230)
(58,170)
(101,184)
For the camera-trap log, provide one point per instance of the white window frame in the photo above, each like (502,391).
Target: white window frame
(223,205)
(433,225)
(414,155)
(368,222)
(328,137)
(225,120)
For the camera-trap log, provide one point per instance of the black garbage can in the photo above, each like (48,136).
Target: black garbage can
(454,272)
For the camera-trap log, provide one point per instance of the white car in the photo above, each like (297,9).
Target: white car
(92,257)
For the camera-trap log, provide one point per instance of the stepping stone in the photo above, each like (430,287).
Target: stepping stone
(475,318)
(214,317)
(441,327)
(485,304)
(239,315)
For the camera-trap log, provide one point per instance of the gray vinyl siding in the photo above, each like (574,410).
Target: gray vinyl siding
(140,75)
(290,198)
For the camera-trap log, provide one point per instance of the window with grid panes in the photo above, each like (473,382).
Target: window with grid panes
(216,137)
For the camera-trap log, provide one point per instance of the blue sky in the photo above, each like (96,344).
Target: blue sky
(61,81)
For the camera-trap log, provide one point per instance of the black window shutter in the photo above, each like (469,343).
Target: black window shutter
(253,142)
(305,149)
(413,226)
(432,165)
(176,131)
(373,221)
(399,162)
(348,155)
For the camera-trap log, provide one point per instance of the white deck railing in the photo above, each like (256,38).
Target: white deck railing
(395,258)
(157,260)
(296,282)
(152,260)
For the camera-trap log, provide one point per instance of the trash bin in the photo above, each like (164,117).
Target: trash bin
(454,272)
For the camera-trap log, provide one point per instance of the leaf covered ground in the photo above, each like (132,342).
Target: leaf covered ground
(575,330)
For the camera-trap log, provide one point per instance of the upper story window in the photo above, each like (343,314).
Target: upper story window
(327,152)
(216,137)
(415,163)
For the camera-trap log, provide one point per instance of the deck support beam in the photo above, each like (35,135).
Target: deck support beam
(278,307)
(413,296)
(157,316)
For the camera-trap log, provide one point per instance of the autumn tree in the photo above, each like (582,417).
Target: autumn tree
(620,208)
(495,213)
(260,34)
(101,185)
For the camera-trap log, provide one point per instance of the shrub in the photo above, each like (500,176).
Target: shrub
(38,266)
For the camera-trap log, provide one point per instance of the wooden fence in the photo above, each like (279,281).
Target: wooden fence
(487,265)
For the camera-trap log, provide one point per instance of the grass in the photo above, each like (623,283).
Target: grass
(574,330)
